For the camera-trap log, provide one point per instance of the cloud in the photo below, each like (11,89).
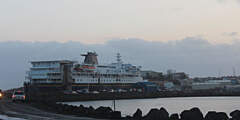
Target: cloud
(225,1)
(193,55)
(231,34)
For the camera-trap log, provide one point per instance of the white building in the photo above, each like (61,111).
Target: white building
(211,84)
(48,71)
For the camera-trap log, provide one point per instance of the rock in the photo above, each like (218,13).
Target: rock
(116,115)
(137,115)
(83,111)
(186,115)
(103,112)
(164,114)
(197,113)
(193,114)
(152,115)
(222,116)
(128,116)
(212,115)
(90,111)
(102,109)
(155,114)
(90,107)
(235,115)
(174,117)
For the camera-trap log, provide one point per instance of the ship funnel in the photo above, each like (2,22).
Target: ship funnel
(90,58)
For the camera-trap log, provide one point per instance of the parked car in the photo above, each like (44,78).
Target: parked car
(95,92)
(111,91)
(121,90)
(83,91)
(1,94)
(18,96)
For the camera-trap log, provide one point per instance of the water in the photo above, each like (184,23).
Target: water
(173,105)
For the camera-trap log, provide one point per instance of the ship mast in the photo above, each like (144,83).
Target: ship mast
(119,60)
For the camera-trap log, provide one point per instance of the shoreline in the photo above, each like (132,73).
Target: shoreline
(172,105)
(107,113)
(124,96)
(155,98)
(153,114)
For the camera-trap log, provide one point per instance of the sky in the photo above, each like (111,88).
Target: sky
(199,37)
(97,21)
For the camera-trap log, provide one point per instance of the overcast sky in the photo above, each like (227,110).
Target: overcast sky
(199,37)
(96,21)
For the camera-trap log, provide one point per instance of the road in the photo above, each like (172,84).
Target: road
(25,111)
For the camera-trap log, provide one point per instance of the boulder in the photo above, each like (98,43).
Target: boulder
(174,117)
(186,115)
(197,113)
(83,111)
(102,109)
(103,112)
(90,111)
(164,115)
(193,114)
(128,118)
(155,114)
(137,115)
(235,115)
(213,115)
(222,116)
(116,115)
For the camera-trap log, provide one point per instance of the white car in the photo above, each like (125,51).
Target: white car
(18,96)
(95,92)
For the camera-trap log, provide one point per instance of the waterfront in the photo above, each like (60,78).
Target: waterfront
(173,105)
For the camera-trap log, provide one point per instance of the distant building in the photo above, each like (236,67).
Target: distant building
(147,86)
(168,85)
(175,75)
(152,75)
(212,84)
(205,86)
(180,76)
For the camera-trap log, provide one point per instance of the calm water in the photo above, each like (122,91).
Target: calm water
(173,105)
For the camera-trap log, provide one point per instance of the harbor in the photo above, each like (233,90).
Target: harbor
(67,80)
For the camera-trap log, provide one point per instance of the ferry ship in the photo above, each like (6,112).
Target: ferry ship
(89,73)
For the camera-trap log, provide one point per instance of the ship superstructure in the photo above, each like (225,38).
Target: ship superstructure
(91,72)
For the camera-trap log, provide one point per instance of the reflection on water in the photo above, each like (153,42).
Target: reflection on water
(173,105)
